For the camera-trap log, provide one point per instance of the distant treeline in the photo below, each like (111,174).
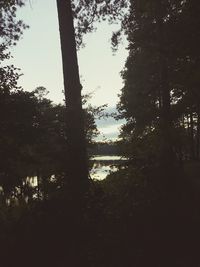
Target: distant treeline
(105,148)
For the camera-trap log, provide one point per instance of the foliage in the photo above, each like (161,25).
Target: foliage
(11,28)
(33,142)
(159,99)
(88,12)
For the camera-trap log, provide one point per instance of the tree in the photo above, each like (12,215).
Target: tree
(10,31)
(77,168)
(160,51)
(86,13)
(33,142)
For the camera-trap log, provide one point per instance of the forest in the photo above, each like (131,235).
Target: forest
(147,211)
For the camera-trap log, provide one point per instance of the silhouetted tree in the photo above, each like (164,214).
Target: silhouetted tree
(156,91)
(77,167)
(32,143)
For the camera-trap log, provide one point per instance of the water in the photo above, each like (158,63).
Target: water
(103,165)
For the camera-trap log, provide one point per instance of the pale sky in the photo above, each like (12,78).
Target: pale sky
(38,55)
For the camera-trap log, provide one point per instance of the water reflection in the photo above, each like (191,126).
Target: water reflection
(103,165)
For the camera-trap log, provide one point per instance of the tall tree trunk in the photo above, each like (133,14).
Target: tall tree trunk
(198,132)
(77,168)
(192,137)
(167,155)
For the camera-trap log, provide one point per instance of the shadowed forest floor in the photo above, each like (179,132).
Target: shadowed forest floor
(192,171)
(125,221)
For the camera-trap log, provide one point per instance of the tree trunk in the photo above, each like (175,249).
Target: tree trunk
(198,132)
(77,169)
(192,137)
(167,155)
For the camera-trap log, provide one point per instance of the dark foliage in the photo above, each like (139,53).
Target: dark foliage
(145,214)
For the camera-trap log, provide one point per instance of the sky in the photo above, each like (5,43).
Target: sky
(38,55)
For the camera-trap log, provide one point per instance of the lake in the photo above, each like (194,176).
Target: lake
(103,165)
